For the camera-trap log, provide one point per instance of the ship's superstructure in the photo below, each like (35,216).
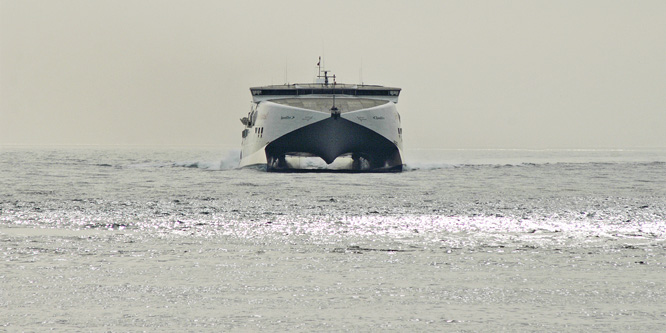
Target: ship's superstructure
(353,127)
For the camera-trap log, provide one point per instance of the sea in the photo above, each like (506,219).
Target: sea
(131,238)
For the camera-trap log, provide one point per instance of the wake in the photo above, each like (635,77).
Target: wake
(230,161)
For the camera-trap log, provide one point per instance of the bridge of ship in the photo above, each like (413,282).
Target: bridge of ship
(277,92)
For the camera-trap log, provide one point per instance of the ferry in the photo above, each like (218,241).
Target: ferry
(323,125)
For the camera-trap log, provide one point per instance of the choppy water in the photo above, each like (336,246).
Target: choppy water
(123,239)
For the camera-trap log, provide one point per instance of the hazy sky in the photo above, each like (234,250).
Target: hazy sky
(475,74)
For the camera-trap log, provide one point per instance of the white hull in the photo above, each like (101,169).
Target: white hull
(280,132)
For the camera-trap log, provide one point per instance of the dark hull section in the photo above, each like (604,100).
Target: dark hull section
(335,137)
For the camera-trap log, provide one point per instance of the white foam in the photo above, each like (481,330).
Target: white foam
(230,161)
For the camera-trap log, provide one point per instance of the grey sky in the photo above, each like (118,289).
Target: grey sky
(475,74)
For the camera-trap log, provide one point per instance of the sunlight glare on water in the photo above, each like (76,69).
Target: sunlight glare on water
(142,239)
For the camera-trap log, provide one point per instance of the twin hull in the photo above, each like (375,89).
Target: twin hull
(281,134)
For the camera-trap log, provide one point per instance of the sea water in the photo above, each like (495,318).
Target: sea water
(178,239)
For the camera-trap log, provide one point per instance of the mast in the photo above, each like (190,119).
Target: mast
(325,76)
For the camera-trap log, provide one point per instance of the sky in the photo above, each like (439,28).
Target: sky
(474,74)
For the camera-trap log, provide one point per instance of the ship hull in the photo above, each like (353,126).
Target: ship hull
(331,138)
(362,140)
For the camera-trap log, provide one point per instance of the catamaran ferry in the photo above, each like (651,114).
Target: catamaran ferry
(349,127)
